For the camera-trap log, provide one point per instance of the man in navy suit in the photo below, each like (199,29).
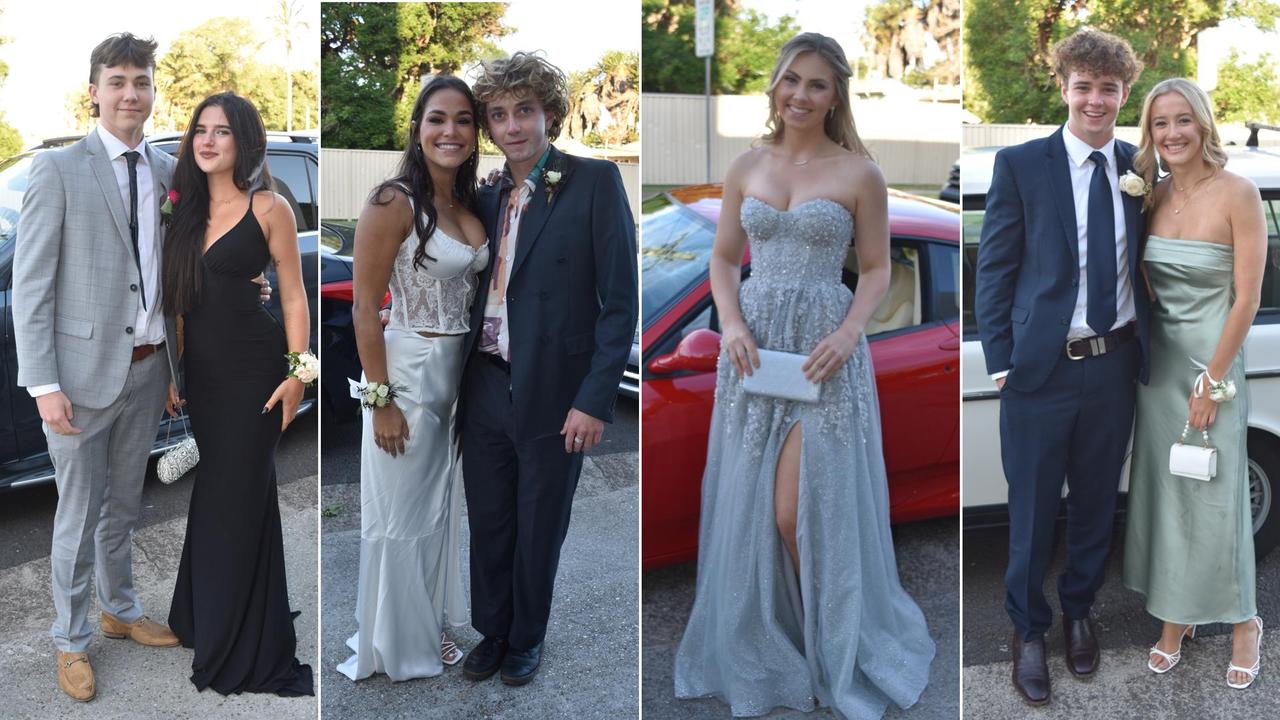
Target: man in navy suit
(551,331)
(1063,315)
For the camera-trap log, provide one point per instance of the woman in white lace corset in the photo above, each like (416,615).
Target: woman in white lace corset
(418,237)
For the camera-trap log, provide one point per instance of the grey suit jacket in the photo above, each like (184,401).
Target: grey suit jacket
(75,281)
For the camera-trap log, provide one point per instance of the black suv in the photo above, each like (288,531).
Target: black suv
(293,159)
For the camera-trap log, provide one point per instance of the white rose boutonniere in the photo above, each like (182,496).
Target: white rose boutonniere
(1133,185)
(552,181)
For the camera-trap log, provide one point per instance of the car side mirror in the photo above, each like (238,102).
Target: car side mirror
(698,351)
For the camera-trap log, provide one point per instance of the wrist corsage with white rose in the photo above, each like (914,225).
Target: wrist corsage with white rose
(303,365)
(1220,391)
(373,394)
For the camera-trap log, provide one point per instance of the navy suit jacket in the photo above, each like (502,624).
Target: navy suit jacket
(1029,257)
(571,297)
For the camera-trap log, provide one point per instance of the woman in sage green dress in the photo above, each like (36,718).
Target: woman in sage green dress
(1189,543)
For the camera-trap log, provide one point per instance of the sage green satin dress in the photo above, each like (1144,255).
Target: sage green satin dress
(1189,543)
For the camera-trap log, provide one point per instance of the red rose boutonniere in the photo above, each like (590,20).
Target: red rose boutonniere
(166,210)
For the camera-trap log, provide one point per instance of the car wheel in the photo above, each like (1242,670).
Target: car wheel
(1264,472)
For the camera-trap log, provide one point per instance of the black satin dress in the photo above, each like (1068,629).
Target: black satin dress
(231,602)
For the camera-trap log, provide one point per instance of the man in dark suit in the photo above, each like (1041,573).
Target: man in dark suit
(551,330)
(1063,315)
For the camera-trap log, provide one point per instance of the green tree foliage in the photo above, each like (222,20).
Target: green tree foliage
(10,138)
(1247,91)
(373,56)
(746,48)
(220,55)
(1007,73)
(610,86)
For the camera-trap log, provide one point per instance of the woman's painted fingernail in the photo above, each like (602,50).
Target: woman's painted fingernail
(264,410)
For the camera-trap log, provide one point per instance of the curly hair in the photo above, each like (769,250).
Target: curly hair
(1147,161)
(839,124)
(524,75)
(1096,52)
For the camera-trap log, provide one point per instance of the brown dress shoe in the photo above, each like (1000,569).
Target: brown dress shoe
(1030,672)
(143,631)
(1082,646)
(75,676)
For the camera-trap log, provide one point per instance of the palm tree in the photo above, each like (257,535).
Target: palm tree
(286,24)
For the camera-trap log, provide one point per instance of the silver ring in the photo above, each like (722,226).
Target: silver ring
(577,440)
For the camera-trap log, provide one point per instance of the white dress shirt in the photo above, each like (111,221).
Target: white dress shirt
(1081,169)
(149,324)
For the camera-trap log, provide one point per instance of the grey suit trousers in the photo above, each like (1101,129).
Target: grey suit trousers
(100,473)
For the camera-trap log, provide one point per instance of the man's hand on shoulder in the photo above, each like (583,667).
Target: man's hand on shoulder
(55,411)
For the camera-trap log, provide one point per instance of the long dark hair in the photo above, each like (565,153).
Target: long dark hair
(413,177)
(184,240)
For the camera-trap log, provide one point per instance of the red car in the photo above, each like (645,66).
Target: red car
(915,347)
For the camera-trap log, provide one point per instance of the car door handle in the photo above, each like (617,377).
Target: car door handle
(951,343)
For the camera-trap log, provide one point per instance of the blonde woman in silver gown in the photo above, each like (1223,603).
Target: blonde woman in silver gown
(1189,543)
(798,601)
(419,237)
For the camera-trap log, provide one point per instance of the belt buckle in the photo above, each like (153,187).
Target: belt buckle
(1071,355)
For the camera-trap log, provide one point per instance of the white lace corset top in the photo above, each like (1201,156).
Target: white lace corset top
(435,297)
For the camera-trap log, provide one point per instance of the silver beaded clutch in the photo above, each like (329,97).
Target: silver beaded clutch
(179,459)
(780,376)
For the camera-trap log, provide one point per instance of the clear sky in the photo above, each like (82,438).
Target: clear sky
(50,41)
(573,33)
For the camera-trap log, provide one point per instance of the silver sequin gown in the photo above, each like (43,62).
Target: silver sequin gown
(846,635)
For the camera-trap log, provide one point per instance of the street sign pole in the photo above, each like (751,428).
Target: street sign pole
(704,47)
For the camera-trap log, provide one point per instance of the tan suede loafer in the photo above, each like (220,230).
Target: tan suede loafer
(75,676)
(143,631)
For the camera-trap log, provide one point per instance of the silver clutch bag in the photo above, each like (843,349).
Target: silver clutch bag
(179,459)
(1192,461)
(780,376)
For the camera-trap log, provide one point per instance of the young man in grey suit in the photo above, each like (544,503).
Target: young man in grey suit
(551,330)
(94,347)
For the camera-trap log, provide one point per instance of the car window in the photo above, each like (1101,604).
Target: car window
(970,231)
(675,250)
(1269,310)
(293,179)
(944,279)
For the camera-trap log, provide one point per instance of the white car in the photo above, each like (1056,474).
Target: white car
(984,492)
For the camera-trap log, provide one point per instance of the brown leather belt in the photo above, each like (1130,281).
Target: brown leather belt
(142,351)
(1098,344)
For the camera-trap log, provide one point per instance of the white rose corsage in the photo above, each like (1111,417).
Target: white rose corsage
(304,365)
(375,395)
(1133,185)
(1220,391)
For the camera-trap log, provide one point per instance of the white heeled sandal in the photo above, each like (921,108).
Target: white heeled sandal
(449,652)
(1170,658)
(1252,672)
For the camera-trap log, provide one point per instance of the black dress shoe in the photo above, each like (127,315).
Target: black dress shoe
(1030,673)
(521,665)
(1082,646)
(485,659)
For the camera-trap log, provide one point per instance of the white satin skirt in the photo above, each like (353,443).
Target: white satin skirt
(410,515)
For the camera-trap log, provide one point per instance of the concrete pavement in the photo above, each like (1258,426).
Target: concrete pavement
(136,682)
(589,669)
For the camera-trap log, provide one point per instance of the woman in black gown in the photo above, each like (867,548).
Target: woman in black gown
(231,603)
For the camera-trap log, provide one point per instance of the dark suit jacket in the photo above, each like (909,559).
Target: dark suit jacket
(571,298)
(1028,261)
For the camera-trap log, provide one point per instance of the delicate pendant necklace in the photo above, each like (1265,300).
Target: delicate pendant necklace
(1190,194)
(801,162)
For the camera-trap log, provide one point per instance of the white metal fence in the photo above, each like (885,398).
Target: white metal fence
(914,142)
(347,177)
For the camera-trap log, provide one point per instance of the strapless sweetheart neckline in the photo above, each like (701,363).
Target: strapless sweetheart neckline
(797,207)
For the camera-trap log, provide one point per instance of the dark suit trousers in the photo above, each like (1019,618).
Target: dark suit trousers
(1076,426)
(519,494)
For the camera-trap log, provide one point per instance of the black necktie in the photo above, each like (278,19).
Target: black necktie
(132,157)
(1100,264)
